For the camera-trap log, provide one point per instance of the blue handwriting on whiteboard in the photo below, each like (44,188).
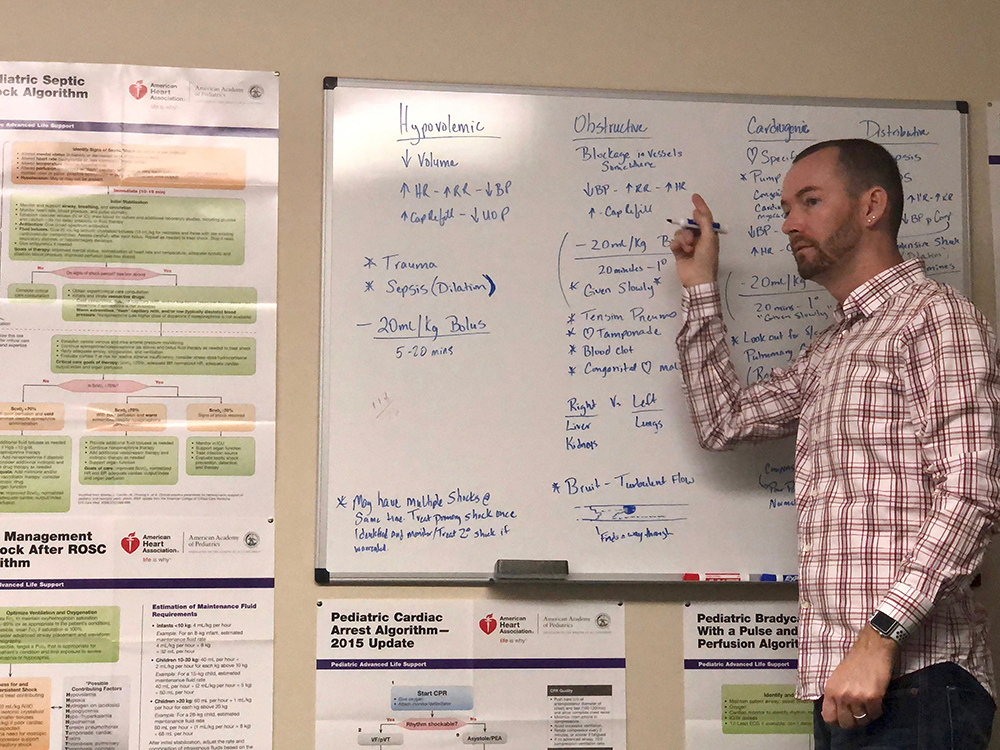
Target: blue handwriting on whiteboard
(631,513)
(778,480)
(443,127)
(386,521)
(785,130)
(597,125)
(633,535)
(874,129)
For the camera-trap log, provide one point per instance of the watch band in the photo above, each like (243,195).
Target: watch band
(887,627)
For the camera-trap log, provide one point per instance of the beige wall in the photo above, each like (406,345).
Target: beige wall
(881,49)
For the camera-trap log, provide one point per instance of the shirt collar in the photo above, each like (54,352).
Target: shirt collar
(875,292)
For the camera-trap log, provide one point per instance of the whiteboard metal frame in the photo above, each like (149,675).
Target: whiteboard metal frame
(322,573)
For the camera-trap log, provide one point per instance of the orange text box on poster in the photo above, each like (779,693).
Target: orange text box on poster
(32,416)
(25,705)
(118,165)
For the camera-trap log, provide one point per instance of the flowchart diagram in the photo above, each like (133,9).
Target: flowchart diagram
(138,236)
(137,271)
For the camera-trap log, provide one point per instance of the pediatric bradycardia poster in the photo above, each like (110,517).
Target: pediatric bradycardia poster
(740,662)
(450,673)
(138,217)
(993,145)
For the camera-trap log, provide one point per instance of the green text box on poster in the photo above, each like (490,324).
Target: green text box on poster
(164,304)
(127,460)
(58,635)
(220,457)
(105,228)
(35,474)
(154,355)
(31,292)
(764,709)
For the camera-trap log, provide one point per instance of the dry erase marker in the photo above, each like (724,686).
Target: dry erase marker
(692,224)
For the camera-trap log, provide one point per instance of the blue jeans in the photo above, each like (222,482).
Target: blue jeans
(941,707)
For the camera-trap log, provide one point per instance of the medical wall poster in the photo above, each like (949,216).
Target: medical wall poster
(91,667)
(122,552)
(993,146)
(740,662)
(451,673)
(163,638)
(138,238)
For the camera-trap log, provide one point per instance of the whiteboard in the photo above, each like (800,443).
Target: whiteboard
(499,374)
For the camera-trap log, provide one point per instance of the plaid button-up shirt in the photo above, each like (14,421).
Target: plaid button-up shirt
(897,472)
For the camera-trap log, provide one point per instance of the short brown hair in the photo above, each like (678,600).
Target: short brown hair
(866,164)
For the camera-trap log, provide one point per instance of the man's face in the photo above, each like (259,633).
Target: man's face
(821,218)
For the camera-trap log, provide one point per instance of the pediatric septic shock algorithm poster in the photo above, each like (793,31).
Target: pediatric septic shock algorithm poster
(138,237)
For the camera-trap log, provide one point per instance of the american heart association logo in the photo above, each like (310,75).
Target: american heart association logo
(138,89)
(488,624)
(130,543)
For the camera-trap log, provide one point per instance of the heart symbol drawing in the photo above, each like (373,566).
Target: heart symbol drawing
(488,624)
(130,543)
(647,367)
(752,154)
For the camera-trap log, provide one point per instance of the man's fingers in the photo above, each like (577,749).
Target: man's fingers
(684,241)
(873,709)
(830,710)
(696,248)
(850,714)
(700,204)
(702,213)
(844,716)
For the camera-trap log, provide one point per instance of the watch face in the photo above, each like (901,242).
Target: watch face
(887,626)
(883,623)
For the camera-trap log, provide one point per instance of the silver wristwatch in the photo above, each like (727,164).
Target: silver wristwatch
(888,627)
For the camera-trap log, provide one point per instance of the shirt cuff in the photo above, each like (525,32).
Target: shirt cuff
(906,606)
(701,301)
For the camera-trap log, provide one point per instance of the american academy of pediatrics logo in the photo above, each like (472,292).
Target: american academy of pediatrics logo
(130,543)
(488,624)
(138,89)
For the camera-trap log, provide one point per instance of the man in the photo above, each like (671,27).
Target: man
(896,407)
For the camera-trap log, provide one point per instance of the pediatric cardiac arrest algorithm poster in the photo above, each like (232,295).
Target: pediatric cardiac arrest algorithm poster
(453,673)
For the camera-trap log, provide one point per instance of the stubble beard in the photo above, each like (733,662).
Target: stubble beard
(840,243)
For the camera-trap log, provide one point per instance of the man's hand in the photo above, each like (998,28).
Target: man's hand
(853,694)
(696,253)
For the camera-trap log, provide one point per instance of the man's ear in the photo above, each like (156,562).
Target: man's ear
(873,205)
